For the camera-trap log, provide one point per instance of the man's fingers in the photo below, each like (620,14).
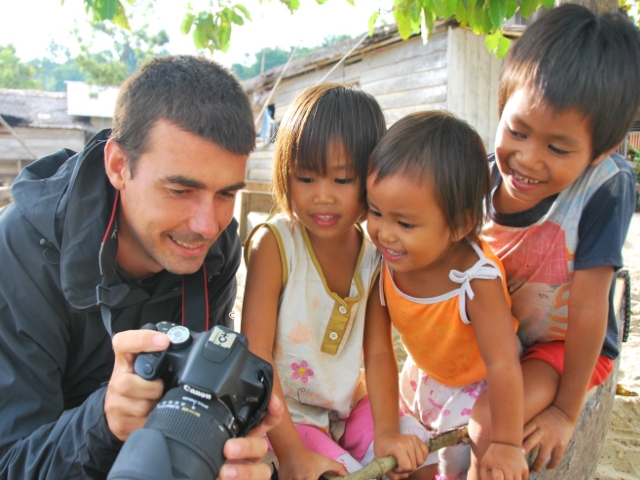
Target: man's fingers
(257,471)
(275,409)
(131,386)
(248,448)
(128,344)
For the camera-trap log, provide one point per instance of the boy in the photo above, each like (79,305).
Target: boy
(561,205)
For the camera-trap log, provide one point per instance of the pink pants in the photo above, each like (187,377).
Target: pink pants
(355,448)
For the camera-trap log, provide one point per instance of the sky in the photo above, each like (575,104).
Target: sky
(31,25)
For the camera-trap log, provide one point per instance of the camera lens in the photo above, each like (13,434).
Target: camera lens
(183,434)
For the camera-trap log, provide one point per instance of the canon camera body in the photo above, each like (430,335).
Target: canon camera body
(215,389)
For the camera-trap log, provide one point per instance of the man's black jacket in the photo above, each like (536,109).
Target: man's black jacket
(55,353)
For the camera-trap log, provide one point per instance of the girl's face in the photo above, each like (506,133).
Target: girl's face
(406,223)
(327,205)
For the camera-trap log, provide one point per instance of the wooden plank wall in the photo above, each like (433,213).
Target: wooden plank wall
(404,77)
(42,141)
(472,83)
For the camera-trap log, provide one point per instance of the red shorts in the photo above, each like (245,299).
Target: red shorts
(553,354)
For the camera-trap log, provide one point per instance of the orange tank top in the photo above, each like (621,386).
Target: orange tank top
(436,331)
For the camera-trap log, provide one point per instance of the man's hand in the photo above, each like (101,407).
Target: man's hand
(130,398)
(552,429)
(243,454)
(503,462)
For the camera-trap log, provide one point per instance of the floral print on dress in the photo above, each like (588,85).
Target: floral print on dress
(301,371)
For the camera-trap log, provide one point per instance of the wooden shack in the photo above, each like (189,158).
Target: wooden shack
(42,123)
(452,71)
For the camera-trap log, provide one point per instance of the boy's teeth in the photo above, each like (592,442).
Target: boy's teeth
(525,180)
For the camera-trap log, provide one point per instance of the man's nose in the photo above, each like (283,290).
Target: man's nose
(203,219)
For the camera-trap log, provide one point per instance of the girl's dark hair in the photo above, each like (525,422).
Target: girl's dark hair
(439,147)
(320,118)
(572,58)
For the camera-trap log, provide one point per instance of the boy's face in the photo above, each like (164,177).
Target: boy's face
(539,152)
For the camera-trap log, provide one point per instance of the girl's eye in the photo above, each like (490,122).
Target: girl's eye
(558,150)
(344,181)
(374,213)
(305,179)
(406,225)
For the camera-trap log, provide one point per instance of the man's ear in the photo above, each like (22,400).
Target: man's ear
(596,161)
(116,164)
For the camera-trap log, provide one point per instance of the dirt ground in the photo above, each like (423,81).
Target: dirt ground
(620,458)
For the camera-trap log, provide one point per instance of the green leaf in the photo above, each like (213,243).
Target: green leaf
(320,2)
(186,24)
(512,6)
(351,2)
(200,37)
(120,18)
(497,43)
(527,7)
(372,21)
(462,14)
(451,7)
(497,11)
(548,3)
(106,9)
(429,18)
(237,19)
(244,11)
(403,20)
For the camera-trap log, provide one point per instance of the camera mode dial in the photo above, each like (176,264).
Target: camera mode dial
(179,336)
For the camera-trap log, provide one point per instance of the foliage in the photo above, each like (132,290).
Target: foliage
(278,56)
(14,73)
(211,28)
(634,156)
(130,49)
(53,75)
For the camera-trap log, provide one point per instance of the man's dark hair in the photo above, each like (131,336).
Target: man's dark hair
(196,94)
(436,146)
(572,58)
(319,116)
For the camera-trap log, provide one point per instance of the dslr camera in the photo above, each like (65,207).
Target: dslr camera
(215,389)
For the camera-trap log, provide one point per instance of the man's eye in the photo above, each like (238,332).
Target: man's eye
(230,194)
(179,192)
(344,181)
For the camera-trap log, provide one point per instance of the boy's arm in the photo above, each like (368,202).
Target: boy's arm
(381,370)
(586,328)
(259,322)
(494,329)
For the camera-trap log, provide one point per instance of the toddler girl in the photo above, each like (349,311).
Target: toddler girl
(444,291)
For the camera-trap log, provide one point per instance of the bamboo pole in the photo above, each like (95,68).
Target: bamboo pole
(379,466)
(275,86)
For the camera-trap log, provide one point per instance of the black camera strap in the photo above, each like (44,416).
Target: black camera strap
(195,301)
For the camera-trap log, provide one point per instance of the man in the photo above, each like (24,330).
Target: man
(105,241)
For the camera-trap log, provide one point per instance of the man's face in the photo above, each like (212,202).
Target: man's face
(176,202)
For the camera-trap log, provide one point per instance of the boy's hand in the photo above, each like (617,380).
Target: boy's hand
(552,430)
(503,462)
(303,464)
(409,450)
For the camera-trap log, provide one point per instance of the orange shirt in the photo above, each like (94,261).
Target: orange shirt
(436,331)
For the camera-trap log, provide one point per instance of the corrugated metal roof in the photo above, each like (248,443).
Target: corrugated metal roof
(37,109)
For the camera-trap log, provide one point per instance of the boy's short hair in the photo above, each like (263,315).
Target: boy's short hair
(196,94)
(321,118)
(437,146)
(575,59)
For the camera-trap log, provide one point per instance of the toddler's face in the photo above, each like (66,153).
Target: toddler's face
(539,152)
(406,223)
